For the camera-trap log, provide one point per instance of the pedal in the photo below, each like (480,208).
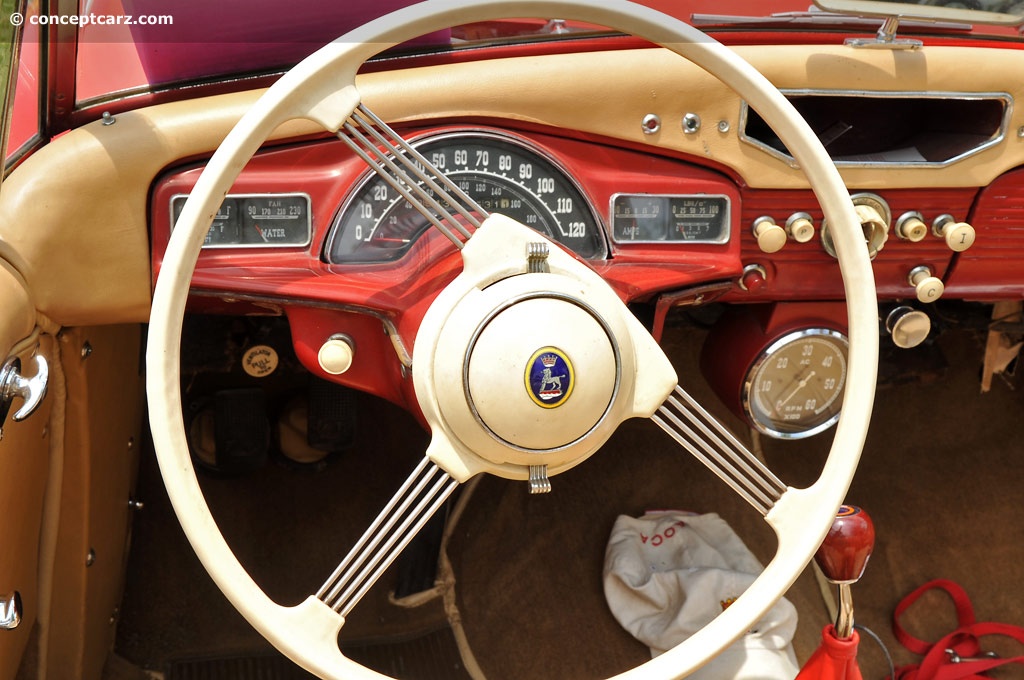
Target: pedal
(332,415)
(241,430)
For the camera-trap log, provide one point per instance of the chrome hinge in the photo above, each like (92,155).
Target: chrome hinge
(537,257)
(30,390)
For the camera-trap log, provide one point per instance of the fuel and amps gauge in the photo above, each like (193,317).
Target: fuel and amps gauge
(657,218)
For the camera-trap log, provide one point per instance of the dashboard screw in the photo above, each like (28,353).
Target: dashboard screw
(650,124)
(691,123)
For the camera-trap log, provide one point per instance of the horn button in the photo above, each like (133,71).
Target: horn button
(541,373)
(516,368)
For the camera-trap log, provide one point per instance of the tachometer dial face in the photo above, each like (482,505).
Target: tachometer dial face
(503,175)
(795,388)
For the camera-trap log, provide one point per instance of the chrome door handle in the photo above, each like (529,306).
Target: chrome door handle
(10,610)
(31,390)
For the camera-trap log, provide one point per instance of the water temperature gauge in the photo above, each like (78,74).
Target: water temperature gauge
(256,221)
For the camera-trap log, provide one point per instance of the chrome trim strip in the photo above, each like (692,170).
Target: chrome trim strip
(1005,97)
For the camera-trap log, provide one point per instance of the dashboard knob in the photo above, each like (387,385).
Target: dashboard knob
(911,227)
(336,355)
(770,236)
(959,236)
(754,277)
(929,288)
(800,227)
(908,327)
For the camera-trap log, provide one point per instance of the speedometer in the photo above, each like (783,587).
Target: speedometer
(502,174)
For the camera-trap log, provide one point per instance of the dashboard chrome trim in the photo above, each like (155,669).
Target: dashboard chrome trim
(996,139)
(727,225)
(768,353)
(283,194)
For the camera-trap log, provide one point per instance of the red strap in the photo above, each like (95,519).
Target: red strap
(964,642)
(964,613)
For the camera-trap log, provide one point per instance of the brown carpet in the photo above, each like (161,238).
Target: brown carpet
(941,477)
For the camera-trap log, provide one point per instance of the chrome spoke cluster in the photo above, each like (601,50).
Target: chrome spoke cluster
(420,497)
(407,171)
(711,443)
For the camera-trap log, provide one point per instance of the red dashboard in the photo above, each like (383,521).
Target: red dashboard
(378,298)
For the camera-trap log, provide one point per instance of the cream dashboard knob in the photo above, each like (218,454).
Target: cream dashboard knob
(907,326)
(929,288)
(959,236)
(911,227)
(770,236)
(800,227)
(336,355)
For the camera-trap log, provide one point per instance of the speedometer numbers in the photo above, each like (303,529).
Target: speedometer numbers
(501,174)
(795,387)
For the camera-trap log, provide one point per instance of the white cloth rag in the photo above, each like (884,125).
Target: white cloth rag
(668,573)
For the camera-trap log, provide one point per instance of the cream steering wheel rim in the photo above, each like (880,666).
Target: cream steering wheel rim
(308,632)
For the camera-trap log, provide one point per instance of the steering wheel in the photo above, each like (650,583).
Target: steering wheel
(479,365)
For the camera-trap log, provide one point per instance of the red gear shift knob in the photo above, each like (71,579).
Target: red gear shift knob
(845,551)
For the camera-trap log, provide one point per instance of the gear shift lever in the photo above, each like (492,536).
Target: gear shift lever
(842,557)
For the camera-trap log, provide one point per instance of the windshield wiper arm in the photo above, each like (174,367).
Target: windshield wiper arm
(815,18)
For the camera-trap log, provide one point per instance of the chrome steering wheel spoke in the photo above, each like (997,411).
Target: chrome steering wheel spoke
(419,499)
(710,442)
(413,176)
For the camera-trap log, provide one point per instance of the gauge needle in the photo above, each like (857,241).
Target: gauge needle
(802,384)
(260,232)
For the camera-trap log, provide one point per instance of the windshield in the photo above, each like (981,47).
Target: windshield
(132,45)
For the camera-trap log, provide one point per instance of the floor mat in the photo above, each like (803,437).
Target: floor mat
(428,657)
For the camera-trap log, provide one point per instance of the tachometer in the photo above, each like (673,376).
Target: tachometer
(795,388)
(502,174)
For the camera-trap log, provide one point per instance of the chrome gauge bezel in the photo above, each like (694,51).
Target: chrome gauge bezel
(237,198)
(522,143)
(773,426)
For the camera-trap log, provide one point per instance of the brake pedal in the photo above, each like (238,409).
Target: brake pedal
(332,415)
(241,429)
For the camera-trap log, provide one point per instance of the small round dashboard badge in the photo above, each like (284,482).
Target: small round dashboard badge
(549,377)
(260,361)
